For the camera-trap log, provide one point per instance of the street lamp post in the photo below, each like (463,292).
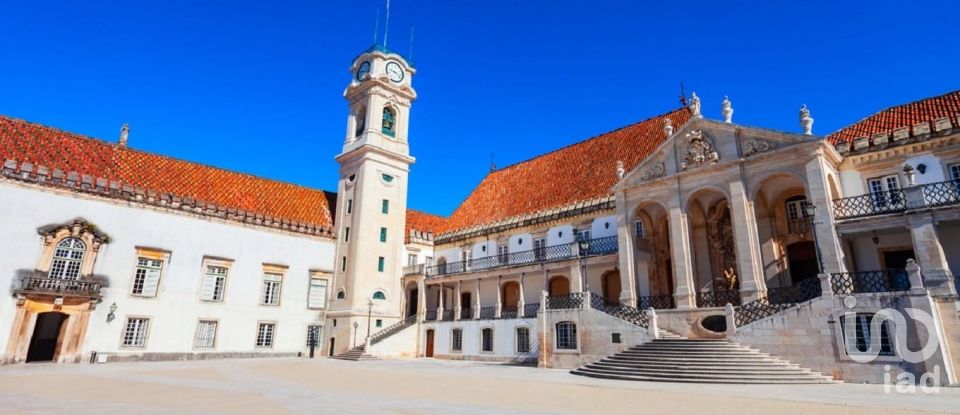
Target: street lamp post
(583,245)
(369,313)
(355,325)
(811,212)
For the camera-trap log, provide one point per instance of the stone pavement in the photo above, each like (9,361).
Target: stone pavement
(295,386)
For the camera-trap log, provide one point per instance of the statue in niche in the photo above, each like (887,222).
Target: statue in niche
(723,256)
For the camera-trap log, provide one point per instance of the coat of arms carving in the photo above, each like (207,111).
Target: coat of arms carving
(699,151)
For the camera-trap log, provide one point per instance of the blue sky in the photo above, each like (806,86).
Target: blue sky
(257,86)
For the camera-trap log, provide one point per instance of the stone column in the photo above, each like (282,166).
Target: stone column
(421,298)
(682,264)
(440,304)
(546,280)
(457,306)
(476,302)
(626,250)
(926,246)
(818,192)
(496,312)
(747,244)
(576,280)
(521,302)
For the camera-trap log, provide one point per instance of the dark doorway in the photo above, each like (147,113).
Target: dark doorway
(802,260)
(429,348)
(330,352)
(412,305)
(897,259)
(611,288)
(46,337)
(559,286)
(465,300)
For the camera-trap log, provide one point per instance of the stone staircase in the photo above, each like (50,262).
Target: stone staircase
(355,354)
(675,359)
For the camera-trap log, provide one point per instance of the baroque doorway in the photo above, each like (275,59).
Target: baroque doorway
(46,338)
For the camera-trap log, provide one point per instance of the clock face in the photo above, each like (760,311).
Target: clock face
(363,70)
(394,72)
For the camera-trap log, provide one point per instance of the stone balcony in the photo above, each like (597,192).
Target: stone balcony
(562,252)
(34,283)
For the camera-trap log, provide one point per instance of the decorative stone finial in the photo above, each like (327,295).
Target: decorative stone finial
(620,170)
(668,127)
(695,105)
(124,133)
(727,110)
(806,121)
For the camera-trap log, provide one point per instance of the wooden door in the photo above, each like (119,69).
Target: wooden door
(429,348)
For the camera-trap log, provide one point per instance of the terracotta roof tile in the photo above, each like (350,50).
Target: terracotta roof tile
(906,115)
(579,172)
(56,149)
(423,222)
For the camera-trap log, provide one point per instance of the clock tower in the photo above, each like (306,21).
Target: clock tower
(371,200)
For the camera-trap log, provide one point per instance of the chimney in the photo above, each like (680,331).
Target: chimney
(124,133)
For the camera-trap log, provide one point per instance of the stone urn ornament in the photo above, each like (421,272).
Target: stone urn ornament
(726,109)
(806,121)
(668,127)
(695,105)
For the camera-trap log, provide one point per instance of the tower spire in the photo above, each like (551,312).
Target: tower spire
(386,27)
(376,26)
(410,55)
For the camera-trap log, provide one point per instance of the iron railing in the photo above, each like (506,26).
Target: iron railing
(447,315)
(942,193)
(431,315)
(880,281)
(390,330)
(659,302)
(488,313)
(800,225)
(568,301)
(592,247)
(32,284)
(508,312)
(627,313)
(875,203)
(466,313)
(530,310)
(777,300)
(718,298)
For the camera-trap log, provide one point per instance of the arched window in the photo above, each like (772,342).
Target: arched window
(361,122)
(67,259)
(567,335)
(341,294)
(389,121)
(379,295)
(523,340)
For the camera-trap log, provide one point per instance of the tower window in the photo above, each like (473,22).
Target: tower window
(385,208)
(346,234)
(379,295)
(389,122)
(343,264)
(383,234)
(361,122)
(638,229)
(349,206)
(380,261)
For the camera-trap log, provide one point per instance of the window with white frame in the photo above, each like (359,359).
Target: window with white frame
(428,260)
(540,248)
(954,171)
(864,335)
(411,259)
(206,335)
(265,333)
(885,190)
(566,335)
(523,340)
(486,340)
(317,297)
(67,259)
(146,278)
(135,332)
(271,288)
(583,234)
(456,340)
(313,335)
(214,283)
(638,229)
(503,254)
(796,207)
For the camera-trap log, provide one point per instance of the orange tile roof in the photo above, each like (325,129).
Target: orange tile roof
(45,146)
(579,172)
(906,115)
(423,222)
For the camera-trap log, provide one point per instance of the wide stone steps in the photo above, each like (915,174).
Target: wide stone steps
(699,361)
(354,354)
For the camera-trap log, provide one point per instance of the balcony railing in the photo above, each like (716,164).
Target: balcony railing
(568,301)
(530,310)
(624,312)
(659,302)
(39,283)
(466,313)
(799,225)
(508,312)
(447,315)
(488,313)
(777,300)
(718,298)
(593,247)
(880,281)
(900,200)
(414,269)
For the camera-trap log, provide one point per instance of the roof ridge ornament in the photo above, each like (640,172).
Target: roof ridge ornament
(695,105)
(620,170)
(806,121)
(124,134)
(726,109)
(668,127)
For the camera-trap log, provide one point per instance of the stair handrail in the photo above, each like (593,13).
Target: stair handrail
(622,311)
(776,300)
(394,328)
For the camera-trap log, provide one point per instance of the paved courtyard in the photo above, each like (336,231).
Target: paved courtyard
(301,386)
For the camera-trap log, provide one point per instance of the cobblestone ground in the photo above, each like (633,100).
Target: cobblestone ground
(320,386)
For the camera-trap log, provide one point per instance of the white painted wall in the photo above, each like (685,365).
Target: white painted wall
(177,308)
(603,227)
(504,338)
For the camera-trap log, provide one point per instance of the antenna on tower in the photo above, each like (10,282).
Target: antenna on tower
(410,55)
(683,95)
(386,27)
(493,166)
(376,26)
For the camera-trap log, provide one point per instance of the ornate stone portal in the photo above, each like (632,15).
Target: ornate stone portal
(723,257)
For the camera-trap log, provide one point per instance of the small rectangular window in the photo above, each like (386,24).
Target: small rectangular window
(955,172)
(583,235)
(486,340)
(383,234)
(385,208)
(864,335)
(380,264)
(346,234)
(317,298)
(146,278)
(349,206)
(265,333)
(523,340)
(638,230)
(503,254)
(135,332)
(456,341)
(271,289)
(214,283)
(379,323)
(313,335)
(540,248)
(343,264)
(566,336)
(206,334)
